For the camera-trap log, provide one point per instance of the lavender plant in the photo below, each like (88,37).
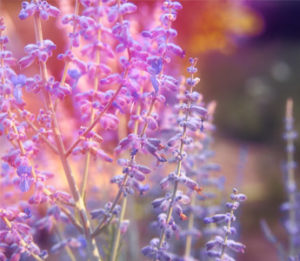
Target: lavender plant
(289,208)
(171,204)
(118,79)
(219,248)
(201,167)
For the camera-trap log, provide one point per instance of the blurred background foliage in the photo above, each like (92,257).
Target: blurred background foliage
(250,55)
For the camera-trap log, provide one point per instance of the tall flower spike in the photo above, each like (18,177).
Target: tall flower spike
(189,120)
(290,208)
(218,247)
(291,224)
(200,167)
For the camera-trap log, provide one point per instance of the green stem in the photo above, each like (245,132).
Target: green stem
(118,231)
(188,241)
(133,235)
(226,234)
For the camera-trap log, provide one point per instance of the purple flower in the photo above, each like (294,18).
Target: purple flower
(41,7)
(25,174)
(40,51)
(236,246)
(155,64)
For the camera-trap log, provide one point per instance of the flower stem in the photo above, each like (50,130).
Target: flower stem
(178,173)
(124,201)
(79,204)
(291,180)
(118,231)
(96,84)
(226,234)
(61,238)
(67,63)
(188,241)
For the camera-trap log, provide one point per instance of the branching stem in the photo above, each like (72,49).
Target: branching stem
(80,206)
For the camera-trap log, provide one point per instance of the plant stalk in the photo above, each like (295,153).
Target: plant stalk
(96,84)
(80,206)
(178,173)
(189,238)
(291,181)
(118,231)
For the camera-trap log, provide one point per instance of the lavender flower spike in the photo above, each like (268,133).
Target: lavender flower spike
(217,247)
(173,203)
(291,206)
